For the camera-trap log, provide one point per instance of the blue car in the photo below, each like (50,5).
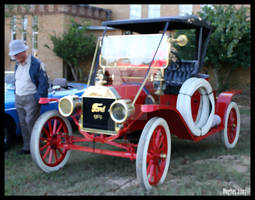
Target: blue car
(58,89)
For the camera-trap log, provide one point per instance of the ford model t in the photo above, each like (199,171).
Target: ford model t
(140,92)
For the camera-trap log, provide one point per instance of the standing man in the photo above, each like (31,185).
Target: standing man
(31,83)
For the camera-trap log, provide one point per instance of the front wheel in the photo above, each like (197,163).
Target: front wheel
(49,132)
(153,153)
(230,134)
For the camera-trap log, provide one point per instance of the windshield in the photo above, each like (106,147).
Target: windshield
(126,58)
(134,50)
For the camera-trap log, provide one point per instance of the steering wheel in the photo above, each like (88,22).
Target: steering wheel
(176,60)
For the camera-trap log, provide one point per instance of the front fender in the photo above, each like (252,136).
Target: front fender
(176,123)
(46,100)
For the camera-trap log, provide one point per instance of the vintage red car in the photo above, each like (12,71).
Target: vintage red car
(140,92)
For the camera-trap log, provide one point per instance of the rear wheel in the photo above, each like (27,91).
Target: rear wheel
(153,153)
(49,132)
(230,134)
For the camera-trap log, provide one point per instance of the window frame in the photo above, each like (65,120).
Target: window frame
(24,28)
(13,27)
(34,35)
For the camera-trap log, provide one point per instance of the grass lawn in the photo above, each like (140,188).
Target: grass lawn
(202,168)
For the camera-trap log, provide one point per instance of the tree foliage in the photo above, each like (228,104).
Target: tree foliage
(229,45)
(74,46)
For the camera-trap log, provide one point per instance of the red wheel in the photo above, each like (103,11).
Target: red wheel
(231,130)
(153,153)
(50,130)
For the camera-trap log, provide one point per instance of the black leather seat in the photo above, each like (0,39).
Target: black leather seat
(174,78)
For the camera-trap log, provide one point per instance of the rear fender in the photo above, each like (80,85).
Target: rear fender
(223,101)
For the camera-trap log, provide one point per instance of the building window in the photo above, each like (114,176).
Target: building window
(153,11)
(35,35)
(13,27)
(135,11)
(185,9)
(24,29)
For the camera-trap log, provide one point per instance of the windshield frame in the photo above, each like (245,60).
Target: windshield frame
(139,67)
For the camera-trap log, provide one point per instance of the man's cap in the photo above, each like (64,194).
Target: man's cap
(17,46)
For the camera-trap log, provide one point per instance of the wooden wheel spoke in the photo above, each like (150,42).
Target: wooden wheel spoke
(149,166)
(54,126)
(163,149)
(158,136)
(46,153)
(60,151)
(153,141)
(50,156)
(59,128)
(151,172)
(46,132)
(55,155)
(43,147)
(50,127)
(161,145)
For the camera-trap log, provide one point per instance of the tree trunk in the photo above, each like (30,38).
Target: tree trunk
(73,73)
(216,78)
(80,74)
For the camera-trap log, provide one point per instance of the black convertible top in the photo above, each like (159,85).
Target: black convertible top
(154,25)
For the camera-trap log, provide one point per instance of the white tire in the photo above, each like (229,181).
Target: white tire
(49,131)
(206,110)
(231,131)
(153,153)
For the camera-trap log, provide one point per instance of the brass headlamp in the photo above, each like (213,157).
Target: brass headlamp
(121,109)
(67,105)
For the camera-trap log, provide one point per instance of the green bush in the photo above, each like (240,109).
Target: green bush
(74,46)
(230,40)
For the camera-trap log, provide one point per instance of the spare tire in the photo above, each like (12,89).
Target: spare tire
(206,109)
